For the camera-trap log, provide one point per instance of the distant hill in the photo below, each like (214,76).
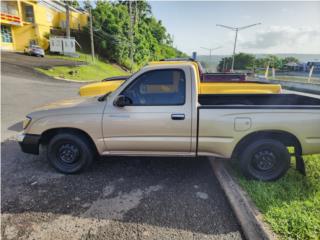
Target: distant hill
(301,57)
(213,61)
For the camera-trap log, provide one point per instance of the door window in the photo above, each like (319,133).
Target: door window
(158,87)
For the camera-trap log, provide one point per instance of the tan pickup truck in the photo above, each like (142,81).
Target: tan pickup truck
(159,112)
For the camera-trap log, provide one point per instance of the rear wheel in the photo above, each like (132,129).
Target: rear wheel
(70,153)
(265,160)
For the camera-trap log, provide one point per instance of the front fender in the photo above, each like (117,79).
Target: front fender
(88,123)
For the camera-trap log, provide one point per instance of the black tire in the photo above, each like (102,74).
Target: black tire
(264,160)
(70,153)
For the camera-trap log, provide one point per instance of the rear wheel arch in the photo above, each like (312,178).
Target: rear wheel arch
(288,139)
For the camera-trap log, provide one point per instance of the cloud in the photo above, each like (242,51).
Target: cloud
(285,10)
(246,17)
(277,36)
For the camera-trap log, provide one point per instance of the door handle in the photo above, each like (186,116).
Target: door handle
(177,116)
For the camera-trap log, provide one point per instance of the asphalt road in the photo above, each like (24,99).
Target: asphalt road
(117,198)
(23,88)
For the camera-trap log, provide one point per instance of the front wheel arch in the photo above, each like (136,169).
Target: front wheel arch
(47,135)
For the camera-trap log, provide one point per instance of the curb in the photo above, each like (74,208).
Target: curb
(249,218)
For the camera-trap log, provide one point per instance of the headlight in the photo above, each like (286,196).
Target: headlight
(26,122)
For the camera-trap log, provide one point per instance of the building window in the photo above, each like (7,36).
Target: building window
(28,13)
(9,7)
(6,34)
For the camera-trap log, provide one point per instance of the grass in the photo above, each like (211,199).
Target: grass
(82,57)
(290,205)
(89,72)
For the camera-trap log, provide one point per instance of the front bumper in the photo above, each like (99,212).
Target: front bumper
(29,143)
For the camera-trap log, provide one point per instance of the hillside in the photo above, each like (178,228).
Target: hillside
(91,71)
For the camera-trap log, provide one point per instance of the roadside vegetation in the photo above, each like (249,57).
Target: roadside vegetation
(251,62)
(89,71)
(291,205)
(141,37)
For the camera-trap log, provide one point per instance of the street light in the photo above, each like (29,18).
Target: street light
(210,49)
(236,29)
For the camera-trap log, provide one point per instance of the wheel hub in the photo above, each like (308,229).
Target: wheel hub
(264,160)
(68,153)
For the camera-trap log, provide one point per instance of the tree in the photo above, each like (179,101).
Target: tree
(87,4)
(242,61)
(248,61)
(111,22)
(261,62)
(72,3)
(290,59)
(274,61)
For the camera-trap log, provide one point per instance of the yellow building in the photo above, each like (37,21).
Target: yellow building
(31,22)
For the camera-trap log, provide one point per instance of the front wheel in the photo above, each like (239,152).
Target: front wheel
(69,153)
(265,160)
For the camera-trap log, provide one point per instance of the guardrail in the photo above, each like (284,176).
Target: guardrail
(296,86)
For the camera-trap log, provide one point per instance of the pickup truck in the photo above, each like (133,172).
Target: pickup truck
(158,111)
(210,83)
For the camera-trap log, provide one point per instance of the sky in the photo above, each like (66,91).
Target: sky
(286,27)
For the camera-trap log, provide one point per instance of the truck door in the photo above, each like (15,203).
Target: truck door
(157,118)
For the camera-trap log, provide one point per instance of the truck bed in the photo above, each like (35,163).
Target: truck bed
(223,120)
(223,77)
(258,100)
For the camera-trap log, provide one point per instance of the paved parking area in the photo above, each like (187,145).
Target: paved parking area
(117,198)
(23,88)
(24,61)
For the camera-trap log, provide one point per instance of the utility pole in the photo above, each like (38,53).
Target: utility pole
(210,50)
(67,21)
(310,73)
(91,36)
(236,29)
(234,50)
(131,35)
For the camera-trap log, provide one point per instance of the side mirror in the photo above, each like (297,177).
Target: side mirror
(122,101)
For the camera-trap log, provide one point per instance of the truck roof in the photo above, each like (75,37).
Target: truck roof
(175,61)
(179,61)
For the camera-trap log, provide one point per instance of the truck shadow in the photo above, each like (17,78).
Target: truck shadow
(174,193)
(17,127)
